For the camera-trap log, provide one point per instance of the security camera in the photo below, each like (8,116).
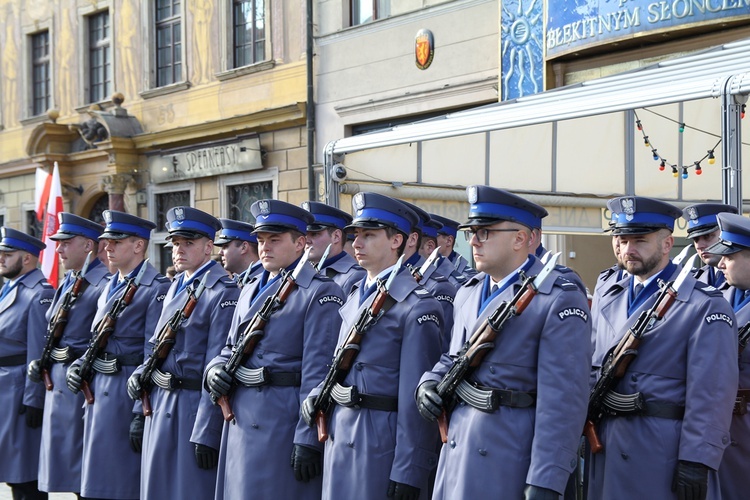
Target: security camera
(338,172)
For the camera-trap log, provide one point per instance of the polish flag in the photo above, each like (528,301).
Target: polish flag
(50,262)
(41,191)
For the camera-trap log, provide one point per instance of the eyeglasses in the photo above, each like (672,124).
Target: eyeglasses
(483,233)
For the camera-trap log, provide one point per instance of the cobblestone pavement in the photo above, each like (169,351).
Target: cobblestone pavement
(5,494)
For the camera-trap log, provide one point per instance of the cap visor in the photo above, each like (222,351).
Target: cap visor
(624,231)
(191,235)
(221,241)
(62,236)
(4,248)
(721,248)
(369,224)
(274,228)
(481,221)
(114,236)
(701,231)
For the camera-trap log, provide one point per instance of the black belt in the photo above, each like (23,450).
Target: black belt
(258,377)
(122,359)
(489,400)
(170,382)
(635,405)
(350,397)
(15,360)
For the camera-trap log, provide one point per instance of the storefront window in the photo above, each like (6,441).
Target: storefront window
(241,196)
(165,201)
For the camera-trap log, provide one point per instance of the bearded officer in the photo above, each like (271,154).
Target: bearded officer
(703,229)
(24,300)
(288,361)
(526,444)
(685,370)
(62,427)
(113,428)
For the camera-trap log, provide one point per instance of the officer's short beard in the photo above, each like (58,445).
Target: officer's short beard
(12,272)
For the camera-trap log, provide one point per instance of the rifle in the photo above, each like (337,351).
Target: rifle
(483,340)
(619,358)
(743,336)
(418,273)
(165,341)
(322,260)
(56,326)
(104,329)
(343,360)
(252,334)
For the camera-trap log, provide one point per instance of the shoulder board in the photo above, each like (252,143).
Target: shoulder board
(708,289)
(438,277)
(421,292)
(229,282)
(607,273)
(565,283)
(321,277)
(162,279)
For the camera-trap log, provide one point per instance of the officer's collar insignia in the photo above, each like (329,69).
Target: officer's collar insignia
(359,201)
(107,216)
(472,193)
(306,205)
(179,213)
(692,213)
(628,207)
(264,207)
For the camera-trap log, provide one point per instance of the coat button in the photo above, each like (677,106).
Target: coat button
(350,444)
(634,377)
(106,393)
(254,426)
(453,443)
(358,366)
(260,355)
(724,440)
(625,456)
(482,452)
(572,463)
(492,368)
(169,415)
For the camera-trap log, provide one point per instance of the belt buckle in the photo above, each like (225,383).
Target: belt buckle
(740,405)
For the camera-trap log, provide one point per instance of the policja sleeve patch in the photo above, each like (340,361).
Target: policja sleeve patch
(331,298)
(719,317)
(573,312)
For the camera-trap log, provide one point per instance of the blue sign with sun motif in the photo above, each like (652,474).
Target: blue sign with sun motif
(522,48)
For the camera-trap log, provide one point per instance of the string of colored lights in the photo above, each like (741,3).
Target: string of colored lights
(663,163)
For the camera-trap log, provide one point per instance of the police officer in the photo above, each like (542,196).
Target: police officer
(328,229)
(238,249)
(379,446)
(24,299)
(62,427)
(113,428)
(182,436)
(288,361)
(685,370)
(704,231)
(537,372)
(733,250)
(446,239)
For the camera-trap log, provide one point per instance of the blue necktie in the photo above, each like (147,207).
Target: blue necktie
(6,289)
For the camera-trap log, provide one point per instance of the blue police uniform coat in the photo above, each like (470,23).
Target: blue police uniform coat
(440,286)
(545,350)
(733,475)
(110,467)
(461,272)
(689,358)
(62,427)
(180,417)
(710,276)
(369,447)
(255,453)
(22,331)
(605,279)
(345,272)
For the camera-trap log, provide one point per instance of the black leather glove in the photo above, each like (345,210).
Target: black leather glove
(537,493)
(34,371)
(73,379)
(306,462)
(308,411)
(690,481)
(33,416)
(206,457)
(136,432)
(401,491)
(134,387)
(218,381)
(430,405)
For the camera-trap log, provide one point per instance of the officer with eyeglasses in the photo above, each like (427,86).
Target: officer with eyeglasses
(524,443)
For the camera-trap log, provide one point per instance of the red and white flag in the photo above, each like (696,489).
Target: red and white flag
(50,262)
(41,191)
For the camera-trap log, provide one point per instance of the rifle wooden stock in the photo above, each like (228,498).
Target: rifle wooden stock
(476,348)
(344,360)
(252,334)
(618,361)
(56,328)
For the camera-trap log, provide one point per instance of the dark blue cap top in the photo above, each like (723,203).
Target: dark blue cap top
(641,215)
(72,225)
(275,216)
(235,230)
(191,223)
(449,226)
(326,216)
(377,211)
(425,224)
(734,234)
(120,225)
(701,218)
(13,240)
(490,205)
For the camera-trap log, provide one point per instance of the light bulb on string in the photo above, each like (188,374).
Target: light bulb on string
(662,165)
(711,157)
(698,169)
(684,173)
(638,124)
(656,155)
(742,111)
(675,173)
(682,127)
(645,141)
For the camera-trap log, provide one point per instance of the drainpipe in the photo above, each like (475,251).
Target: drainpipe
(311,190)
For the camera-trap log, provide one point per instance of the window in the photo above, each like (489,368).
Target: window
(34,227)
(168,42)
(100,57)
(240,198)
(365,11)
(165,201)
(40,74)
(249,32)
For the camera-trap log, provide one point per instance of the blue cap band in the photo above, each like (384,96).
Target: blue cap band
(644,218)
(193,226)
(503,211)
(79,230)
(706,220)
(21,245)
(330,220)
(235,234)
(121,227)
(429,231)
(738,239)
(280,219)
(447,230)
(401,223)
